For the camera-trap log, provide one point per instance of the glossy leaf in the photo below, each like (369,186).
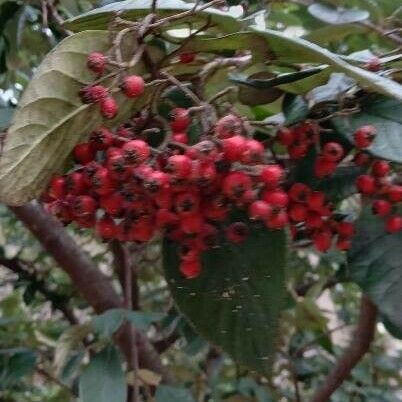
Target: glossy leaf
(295,109)
(103,380)
(375,264)
(51,119)
(385,115)
(339,15)
(236,301)
(15,364)
(100,18)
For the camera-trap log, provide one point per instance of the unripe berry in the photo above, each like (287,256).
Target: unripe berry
(228,126)
(364,136)
(180,120)
(109,108)
(381,207)
(237,232)
(271,175)
(136,152)
(101,138)
(260,210)
(380,168)
(366,184)
(96,62)
(186,57)
(133,86)
(286,136)
(393,224)
(84,153)
(332,151)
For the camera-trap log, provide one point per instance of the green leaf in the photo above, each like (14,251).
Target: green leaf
(51,119)
(375,264)
(236,301)
(277,46)
(385,115)
(167,393)
(280,79)
(330,33)
(103,380)
(15,364)
(109,322)
(339,15)
(100,18)
(295,109)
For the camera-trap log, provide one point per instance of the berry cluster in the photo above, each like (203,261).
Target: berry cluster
(127,190)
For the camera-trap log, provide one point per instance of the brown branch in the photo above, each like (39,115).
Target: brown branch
(87,278)
(360,344)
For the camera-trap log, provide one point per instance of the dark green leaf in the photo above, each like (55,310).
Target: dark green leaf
(375,264)
(339,15)
(386,115)
(103,379)
(237,299)
(275,81)
(295,109)
(15,364)
(167,393)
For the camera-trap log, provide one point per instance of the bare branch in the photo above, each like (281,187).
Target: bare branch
(360,344)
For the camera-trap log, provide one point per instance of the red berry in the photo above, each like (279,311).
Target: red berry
(260,210)
(179,166)
(299,192)
(186,57)
(253,153)
(84,205)
(278,220)
(96,62)
(365,184)
(314,220)
(393,224)
(323,167)
(343,244)
(180,120)
(373,64)
(190,269)
(103,182)
(133,86)
(395,193)
(381,207)
(316,200)
(191,224)
(308,132)
(276,198)
(297,151)
(237,232)
(186,203)
(332,151)
(362,159)
(156,181)
(322,241)
(106,228)
(101,138)
(235,184)
(346,229)
(136,152)
(364,136)
(182,138)
(380,168)
(234,148)
(57,187)
(76,183)
(109,108)
(228,126)
(165,218)
(84,153)
(286,136)
(298,212)
(271,175)
(112,204)
(93,94)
